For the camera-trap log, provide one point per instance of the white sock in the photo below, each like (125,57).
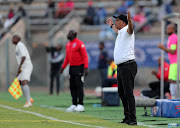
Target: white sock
(26,92)
(173,90)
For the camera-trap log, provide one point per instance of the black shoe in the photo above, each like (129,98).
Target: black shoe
(132,123)
(124,121)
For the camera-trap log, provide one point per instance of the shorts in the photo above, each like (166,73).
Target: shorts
(173,72)
(25,74)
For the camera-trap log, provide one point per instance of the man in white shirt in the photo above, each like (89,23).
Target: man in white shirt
(127,67)
(25,68)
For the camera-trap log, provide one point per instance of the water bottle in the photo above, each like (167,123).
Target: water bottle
(172,125)
(96,105)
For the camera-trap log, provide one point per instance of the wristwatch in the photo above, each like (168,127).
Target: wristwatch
(112,25)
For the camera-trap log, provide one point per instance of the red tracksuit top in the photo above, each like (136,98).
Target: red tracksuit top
(166,72)
(76,54)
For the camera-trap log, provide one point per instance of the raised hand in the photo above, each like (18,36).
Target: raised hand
(128,16)
(109,21)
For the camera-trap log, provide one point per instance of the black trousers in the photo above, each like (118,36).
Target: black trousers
(126,73)
(109,82)
(76,84)
(155,89)
(55,67)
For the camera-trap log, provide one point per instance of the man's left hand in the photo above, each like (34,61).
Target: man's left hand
(19,71)
(128,16)
(85,72)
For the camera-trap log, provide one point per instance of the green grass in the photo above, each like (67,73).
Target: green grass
(98,116)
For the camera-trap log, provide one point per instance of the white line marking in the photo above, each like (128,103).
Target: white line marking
(62,109)
(51,107)
(50,118)
(150,126)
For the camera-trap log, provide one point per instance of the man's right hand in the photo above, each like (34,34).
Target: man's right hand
(109,21)
(154,73)
(61,70)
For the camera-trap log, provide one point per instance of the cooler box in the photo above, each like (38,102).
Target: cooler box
(110,96)
(166,108)
(157,110)
(171,109)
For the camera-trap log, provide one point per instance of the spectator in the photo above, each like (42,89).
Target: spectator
(102,64)
(122,9)
(22,11)
(64,8)
(76,57)
(51,8)
(27,1)
(100,15)
(112,74)
(155,86)
(56,59)
(10,20)
(139,19)
(60,11)
(165,8)
(90,14)
(69,6)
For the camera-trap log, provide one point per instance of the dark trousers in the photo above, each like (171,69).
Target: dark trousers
(103,74)
(126,73)
(155,89)
(55,67)
(109,82)
(76,84)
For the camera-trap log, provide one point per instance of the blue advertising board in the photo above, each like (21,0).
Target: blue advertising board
(146,52)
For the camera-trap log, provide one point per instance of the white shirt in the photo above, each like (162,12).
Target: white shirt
(124,46)
(21,51)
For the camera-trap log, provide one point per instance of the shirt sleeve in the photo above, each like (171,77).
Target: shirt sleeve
(158,75)
(66,60)
(173,43)
(22,50)
(84,54)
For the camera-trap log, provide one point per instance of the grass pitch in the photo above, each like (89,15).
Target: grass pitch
(55,106)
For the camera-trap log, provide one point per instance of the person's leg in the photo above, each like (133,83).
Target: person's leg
(80,92)
(173,90)
(57,83)
(128,72)
(79,84)
(73,87)
(51,84)
(26,90)
(154,85)
(122,95)
(52,75)
(166,87)
(149,93)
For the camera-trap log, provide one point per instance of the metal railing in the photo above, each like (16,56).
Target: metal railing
(4,30)
(60,23)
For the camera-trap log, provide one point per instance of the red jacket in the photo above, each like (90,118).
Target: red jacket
(166,72)
(75,54)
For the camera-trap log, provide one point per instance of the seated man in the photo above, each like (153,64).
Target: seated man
(112,74)
(155,86)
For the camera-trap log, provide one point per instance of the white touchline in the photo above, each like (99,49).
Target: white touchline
(50,118)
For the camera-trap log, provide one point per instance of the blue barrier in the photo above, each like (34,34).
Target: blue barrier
(146,52)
